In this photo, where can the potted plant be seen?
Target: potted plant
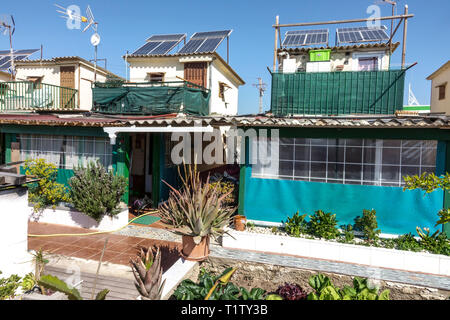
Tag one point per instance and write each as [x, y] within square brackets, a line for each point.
[196, 211]
[239, 222]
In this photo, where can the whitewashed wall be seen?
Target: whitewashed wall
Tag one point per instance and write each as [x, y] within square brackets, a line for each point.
[436, 104]
[14, 211]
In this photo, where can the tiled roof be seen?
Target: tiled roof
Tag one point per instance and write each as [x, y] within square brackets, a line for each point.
[343, 48]
[352, 121]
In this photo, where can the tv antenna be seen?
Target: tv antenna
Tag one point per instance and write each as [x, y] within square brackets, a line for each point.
[9, 25]
[91, 23]
[412, 100]
[261, 88]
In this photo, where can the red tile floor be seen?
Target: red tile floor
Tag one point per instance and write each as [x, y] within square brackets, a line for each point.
[119, 249]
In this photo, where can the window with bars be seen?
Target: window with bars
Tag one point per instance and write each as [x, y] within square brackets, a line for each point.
[66, 152]
[350, 161]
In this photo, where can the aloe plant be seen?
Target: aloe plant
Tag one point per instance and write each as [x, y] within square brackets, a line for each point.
[148, 274]
[55, 284]
[197, 209]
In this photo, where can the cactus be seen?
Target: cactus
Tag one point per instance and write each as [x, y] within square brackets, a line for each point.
[148, 274]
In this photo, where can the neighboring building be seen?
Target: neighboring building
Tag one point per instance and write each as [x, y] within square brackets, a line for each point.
[345, 143]
[440, 92]
[67, 72]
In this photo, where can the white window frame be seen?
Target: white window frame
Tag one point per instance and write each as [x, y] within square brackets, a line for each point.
[357, 55]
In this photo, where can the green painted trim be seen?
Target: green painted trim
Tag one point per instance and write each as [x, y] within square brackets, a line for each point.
[123, 161]
[367, 133]
[416, 108]
[446, 227]
[242, 175]
[69, 131]
[156, 163]
[8, 139]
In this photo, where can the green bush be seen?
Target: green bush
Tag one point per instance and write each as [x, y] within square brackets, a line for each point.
[189, 290]
[323, 225]
[296, 225]
[349, 234]
[324, 289]
[46, 192]
[97, 192]
[8, 286]
[408, 242]
[436, 243]
[368, 225]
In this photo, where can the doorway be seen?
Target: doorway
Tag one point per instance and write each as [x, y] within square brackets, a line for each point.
[141, 166]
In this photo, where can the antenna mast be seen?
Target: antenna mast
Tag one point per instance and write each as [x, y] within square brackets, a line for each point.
[261, 88]
[412, 100]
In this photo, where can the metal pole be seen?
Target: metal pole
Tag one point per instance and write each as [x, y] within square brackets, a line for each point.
[13, 68]
[277, 19]
[342, 21]
[95, 65]
[405, 32]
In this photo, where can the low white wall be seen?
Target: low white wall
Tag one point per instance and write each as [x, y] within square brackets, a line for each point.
[14, 211]
[358, 254]
[73, 218]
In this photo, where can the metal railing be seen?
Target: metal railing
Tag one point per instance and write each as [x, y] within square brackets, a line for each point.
[336, 93]
[27, 96]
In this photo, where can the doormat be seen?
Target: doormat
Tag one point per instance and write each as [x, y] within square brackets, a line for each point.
[146, 220]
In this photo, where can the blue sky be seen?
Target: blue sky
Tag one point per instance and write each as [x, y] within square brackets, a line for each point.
[124, 25]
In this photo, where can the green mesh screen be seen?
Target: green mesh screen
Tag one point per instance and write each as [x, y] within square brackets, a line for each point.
[150, 99]
[335, 93]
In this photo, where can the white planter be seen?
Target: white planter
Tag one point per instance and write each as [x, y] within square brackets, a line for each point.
[73, 218]
[321, 249]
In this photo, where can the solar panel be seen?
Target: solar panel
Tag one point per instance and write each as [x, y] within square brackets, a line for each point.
[26, 51]
[305, 37]
[5, 58]
[362, 34]
[205, 41]
[160, 44]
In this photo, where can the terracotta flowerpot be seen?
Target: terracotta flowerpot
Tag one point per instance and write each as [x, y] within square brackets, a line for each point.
[195, 252]
[239, 222]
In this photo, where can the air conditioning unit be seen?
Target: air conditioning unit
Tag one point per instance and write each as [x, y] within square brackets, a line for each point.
[289, 65]
[320, 66]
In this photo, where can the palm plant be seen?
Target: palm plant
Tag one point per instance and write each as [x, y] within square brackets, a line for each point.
[198, 209]
[147, 272]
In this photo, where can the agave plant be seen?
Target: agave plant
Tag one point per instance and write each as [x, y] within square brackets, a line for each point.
[198, 209]
[148, 274]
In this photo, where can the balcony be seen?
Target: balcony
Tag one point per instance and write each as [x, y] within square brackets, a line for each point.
[150, 98]
[16, 96]
[337, 93]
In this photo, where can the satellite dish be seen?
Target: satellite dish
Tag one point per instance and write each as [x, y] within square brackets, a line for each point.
[95, 39]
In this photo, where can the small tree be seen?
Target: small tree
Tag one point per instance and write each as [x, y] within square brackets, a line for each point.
[96, 191]
[368, 225]
[46, 192]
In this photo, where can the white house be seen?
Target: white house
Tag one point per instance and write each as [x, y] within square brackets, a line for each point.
[362, 57]
[71, 72]
[208, 69]
[440, 94]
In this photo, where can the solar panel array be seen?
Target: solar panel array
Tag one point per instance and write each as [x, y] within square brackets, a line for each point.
[305, 38]
[160, 44]
[361, 34]
[5, 57]
[205, 41]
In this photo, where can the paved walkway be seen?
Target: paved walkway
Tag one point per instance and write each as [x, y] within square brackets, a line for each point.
[119, 248]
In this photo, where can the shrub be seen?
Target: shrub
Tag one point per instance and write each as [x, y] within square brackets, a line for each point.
[408, 242]
[224, 290]
[8, 286]
[368, 225]
[349, 234]
[436, 243]
[291, 292]
[46, 192]
[324, 289]
[96, 191]
[323, 225]
[296, 225]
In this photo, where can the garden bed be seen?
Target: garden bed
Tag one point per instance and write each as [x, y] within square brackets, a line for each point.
[70, 217]
[341, 252]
